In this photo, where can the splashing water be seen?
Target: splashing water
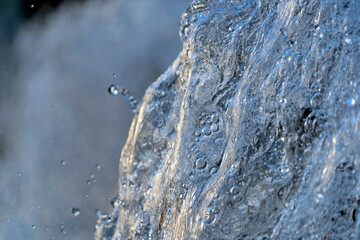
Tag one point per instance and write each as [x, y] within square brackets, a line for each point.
[253, 132]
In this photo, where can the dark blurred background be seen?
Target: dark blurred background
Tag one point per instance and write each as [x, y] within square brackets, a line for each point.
[61, 133]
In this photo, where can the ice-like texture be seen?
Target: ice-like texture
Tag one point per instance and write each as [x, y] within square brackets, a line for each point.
[253, 132]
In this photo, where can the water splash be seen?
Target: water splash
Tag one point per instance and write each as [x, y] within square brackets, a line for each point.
[258, 125]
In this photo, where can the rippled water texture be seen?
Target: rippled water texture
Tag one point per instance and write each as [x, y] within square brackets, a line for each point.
[253, 132]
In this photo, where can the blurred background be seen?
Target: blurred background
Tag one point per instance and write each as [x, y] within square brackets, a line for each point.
[61, 132]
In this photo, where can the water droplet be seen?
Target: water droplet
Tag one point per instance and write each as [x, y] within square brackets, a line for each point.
[351, 102]
[98, 166]
[19, 173]
[214, 127]
[32, 6]
[114, 90]
[75, 212]
[114, 74]
[92, 175]
[206, 130]
[202, 122]
[62, 162]
[33, 226]
[315, 100]
[200, 163]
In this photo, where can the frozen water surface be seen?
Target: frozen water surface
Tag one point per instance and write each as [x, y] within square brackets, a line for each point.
[253, 132]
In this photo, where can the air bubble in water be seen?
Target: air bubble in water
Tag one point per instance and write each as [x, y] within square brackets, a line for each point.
[98, 166]
[214, 127]
[33, 226]
[214, 118]
[213, 170]
[198, 133]
[75, 212]
[206, 130]
[200, 163]
[62, 162]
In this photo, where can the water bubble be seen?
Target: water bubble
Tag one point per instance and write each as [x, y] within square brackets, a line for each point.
[193, 148]
[114, 90]
[351, 102]
[92, 175]
[214, 127]
[62, 162]
[315, 100]
[75, 212]
[114, 74]
[214, 118]
[200, 163]
[213, 170]
[32, 6]
[206, 130]
[198, 133]
[33, 226]
[234, 190]
[202, 122]
[98, 166]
